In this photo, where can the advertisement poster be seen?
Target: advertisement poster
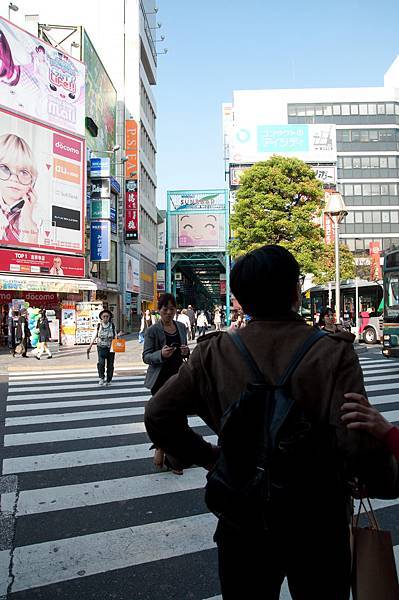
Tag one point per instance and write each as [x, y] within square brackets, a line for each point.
[131, 212]
[41, 81]
[375, 267]
[86, 321]
[198, 230]
[42, 186]
[100, 107]
[100, 241]
[132, 274]
[33, 263]
[100, 198]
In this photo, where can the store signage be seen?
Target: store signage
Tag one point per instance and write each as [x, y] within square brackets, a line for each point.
[375, 267]
[41, 81]
[100, 188]
[100, 241]
[115, 186]
[132, 274]
[42, 299]
[41, 285]
[131, 212]
[100, 167]
[132, 148]
[34, 263]
[329, 229]
[100, 209]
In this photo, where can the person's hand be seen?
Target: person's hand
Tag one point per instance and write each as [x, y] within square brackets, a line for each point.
[185, 350]
[359, 414]
[167, 351]
[28, 207]
[88, 352]
[215, 452]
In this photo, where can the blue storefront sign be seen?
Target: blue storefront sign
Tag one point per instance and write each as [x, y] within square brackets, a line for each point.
[115, 185]
[100, 241]
[100, 167]
[283, 138]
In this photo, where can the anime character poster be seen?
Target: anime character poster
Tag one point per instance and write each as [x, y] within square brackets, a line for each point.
[199, 230]
[42, 186]
[132, 274]
[40, 81]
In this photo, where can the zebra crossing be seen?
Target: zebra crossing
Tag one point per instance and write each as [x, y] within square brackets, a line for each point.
[94, 519]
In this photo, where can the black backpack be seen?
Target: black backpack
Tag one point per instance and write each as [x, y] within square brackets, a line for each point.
[254, 467]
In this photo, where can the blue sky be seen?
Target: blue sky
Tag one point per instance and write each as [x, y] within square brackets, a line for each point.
[215, 47]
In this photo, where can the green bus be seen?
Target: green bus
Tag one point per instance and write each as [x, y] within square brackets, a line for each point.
[391, 304]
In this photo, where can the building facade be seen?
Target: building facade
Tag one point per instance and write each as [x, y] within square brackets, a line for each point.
[366, 123]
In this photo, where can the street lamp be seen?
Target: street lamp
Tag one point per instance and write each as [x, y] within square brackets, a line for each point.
[336, 209]
[11, 7]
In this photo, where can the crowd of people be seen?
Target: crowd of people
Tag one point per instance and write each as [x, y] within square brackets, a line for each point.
[19, 334]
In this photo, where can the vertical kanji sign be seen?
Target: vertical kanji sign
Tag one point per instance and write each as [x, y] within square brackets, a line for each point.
[132, 188]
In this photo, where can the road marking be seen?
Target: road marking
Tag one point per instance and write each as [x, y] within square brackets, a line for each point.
[101, 391]
[47, 563]
[73, 403]
[82, 415]
[118, 381]
[45, 373]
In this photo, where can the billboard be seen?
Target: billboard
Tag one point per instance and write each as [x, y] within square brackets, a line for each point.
[132, 274]
[34, 263]
[41, 81]
[255, 142]
[100, 98]
[132, 149]
[198, 230]
[100, 241]
[42, 186]
[131, 212]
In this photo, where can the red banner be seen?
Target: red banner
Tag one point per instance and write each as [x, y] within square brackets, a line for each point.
[329, 229]
[34, 263]
[375, 267]
[131, 211]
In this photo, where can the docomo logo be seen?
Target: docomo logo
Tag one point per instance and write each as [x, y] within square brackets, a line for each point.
[67, 147]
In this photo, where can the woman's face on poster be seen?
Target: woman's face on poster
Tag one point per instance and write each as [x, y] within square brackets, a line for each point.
[15, 182]
[198, 230]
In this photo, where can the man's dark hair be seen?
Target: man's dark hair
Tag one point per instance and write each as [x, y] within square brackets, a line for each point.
[165, 299]
[264, 281]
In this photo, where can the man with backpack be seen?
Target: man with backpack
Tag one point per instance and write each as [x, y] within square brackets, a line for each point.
[279, 479]
[104, 334]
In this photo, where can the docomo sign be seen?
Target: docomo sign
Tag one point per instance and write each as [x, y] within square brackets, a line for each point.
[34, 263]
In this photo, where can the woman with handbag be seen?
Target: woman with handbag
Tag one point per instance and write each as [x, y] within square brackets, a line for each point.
[43, 327]
[165, 347]
[104, 334]
[23, 335]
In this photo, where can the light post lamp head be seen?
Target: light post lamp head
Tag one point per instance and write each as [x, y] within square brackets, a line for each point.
[335, 206]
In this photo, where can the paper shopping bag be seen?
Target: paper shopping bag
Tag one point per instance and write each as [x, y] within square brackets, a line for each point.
[118, 345]
[374, 575]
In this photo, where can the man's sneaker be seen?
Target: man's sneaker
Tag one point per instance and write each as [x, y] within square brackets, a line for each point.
[101, 382]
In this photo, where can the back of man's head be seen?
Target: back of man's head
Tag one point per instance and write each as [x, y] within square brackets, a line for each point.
[265, 281]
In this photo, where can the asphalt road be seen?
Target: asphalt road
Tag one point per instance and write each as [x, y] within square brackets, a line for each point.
[84, 514]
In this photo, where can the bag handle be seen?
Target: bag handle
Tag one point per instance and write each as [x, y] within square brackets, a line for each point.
[369, 512]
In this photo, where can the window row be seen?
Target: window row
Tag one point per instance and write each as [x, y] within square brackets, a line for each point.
[146, 146]
[368, 162]
[368, 189]
[363, 244]
[147, 106]
[147, 187]
[148, 227]
[372, 216]
[343, 109]
[367, 135]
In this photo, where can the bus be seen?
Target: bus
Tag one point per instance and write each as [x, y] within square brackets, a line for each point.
[370, 308]
[391, 304]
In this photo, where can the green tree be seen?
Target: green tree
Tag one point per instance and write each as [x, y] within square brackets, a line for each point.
[347, 267]
[278, 202]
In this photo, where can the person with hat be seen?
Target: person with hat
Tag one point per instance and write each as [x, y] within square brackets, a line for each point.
[104, 334]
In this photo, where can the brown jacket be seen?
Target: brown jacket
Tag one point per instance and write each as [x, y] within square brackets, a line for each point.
[215, 376]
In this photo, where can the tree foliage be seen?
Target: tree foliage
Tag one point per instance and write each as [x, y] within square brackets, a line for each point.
[278, 202]
[347, 266]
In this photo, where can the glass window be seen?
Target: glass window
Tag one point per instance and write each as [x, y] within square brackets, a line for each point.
[300, 111]
[386, 135]
[344, 135]
[376, 216]
[364, 135]
[385, 216]
[309, 110]
[384, 189]
[356, 162]
[357, 190]
[349, 217]
[363, 109]
[365, 162]
[327, 110]
[359, 244]
[394, 216]
[336, 109]
[393, 189]
[389, 108]
[372, 108]
[373, 135]
[367, 216]
[340, 188]
[355, 135]
[381, 109]
[345, 109]
[354, 109]
[348, 189]
[350, 244]
[358, 217]
[375, 189]
[319, 110]
[366, 189]
[374, 162]
[391, 162]
[383, 162]
[347, 162]
[396, 109]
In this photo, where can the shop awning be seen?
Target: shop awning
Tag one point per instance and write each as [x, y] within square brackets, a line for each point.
[45, 284]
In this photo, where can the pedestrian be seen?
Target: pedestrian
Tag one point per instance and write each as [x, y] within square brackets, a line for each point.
[104, 334]
[217, 320]
[299, 527]
[43, 326]
[183, 318]
[326, 321]
[202, 323]
[147, 320]
[12, 331]
[193, 326]
[22, 334]
[165, 347]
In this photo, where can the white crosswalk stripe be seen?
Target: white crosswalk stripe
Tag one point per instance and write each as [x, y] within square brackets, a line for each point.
[84, 466]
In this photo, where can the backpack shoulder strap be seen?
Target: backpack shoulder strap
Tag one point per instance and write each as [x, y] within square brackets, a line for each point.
[247, 356]
[298, 356]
